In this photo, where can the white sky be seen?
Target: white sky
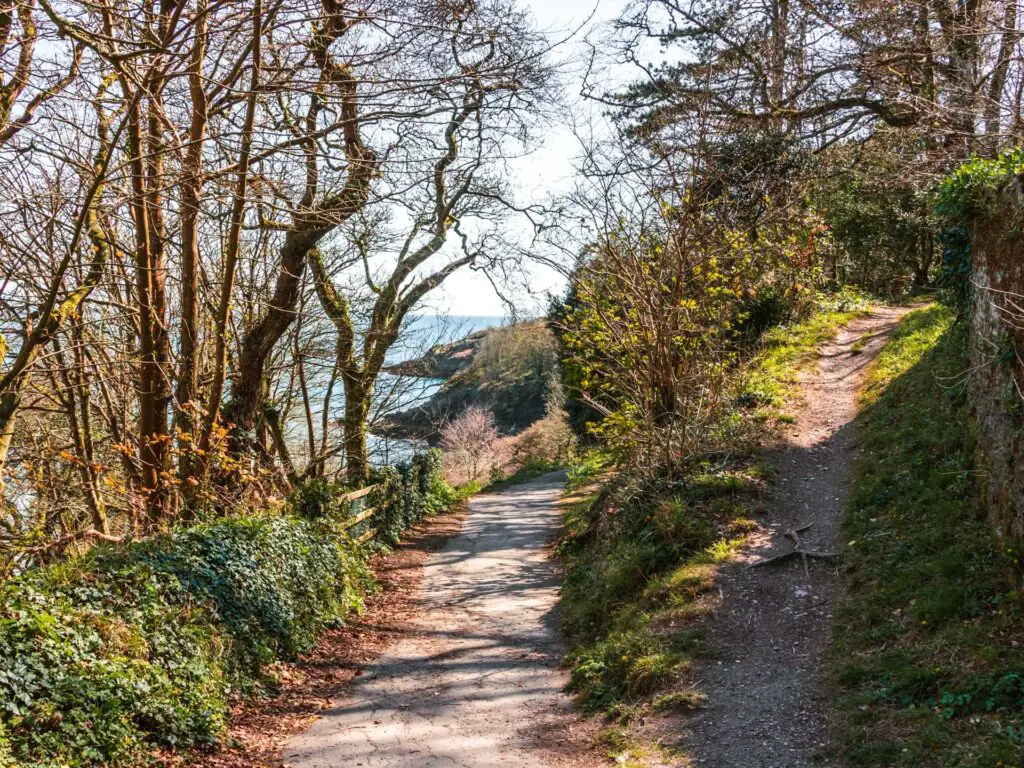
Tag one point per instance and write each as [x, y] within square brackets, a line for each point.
[548, 169]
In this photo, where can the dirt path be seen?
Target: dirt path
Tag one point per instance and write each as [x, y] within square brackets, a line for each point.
[475, 680]
[765, 705]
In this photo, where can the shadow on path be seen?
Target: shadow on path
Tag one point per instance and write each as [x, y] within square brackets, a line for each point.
[767, 706]
[475, 682]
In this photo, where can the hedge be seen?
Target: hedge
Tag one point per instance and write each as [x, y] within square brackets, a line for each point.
[409, 492]
[132, 647]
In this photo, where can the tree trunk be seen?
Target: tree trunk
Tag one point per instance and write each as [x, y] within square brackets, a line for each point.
[73, 391]
[188, 416]
[247, 388]
[220, 356]
[357, 411]
[152, 384]
[10, 399]
[993, 107]
[316, 216]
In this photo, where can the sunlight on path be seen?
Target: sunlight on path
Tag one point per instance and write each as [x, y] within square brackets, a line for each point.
[476, 682]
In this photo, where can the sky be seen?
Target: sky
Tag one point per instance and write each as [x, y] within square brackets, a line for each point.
[548, 169]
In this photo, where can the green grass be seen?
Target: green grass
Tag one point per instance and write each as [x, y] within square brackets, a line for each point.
[641, 566]
[928, 649]
[771, 378]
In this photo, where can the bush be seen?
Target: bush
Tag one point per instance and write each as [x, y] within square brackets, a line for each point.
[273, 584]
[318, 499]
[411, 491]
[549, 441]
[470, 442]
[142, 645]
[624, 666]
[105, 657]
[961, 196]
[517, 353]
[880, 222]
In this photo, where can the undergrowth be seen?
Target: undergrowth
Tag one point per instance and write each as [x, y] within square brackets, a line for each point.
[642, 559]
[108, 656]
[928, 650]
[640, 569]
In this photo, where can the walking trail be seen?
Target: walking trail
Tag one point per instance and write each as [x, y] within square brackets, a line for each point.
[475, 681]
[767, 697]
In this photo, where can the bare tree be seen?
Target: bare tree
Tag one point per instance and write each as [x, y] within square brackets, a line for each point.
[443, 184]
[175, 168]
[469, 443]
[32, 83]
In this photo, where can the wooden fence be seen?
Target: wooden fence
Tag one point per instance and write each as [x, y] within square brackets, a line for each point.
[358, 514]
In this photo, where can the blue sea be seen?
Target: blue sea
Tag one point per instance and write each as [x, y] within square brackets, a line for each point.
[398, 393]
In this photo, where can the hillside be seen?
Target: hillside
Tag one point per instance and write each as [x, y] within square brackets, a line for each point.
[506, 370]
[442, 361]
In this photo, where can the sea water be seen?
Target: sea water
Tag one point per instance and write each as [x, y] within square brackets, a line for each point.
[393, 394]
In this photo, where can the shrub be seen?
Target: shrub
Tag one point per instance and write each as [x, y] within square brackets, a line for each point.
[317, 499]
[549, 441]
[107, 656]
[470, 445]
[411, 491]
[437, 494]
[273, 584]
[625, 665]
[960, 197]
[516, 353]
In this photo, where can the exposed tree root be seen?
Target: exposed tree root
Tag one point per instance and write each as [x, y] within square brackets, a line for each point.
[798, 549]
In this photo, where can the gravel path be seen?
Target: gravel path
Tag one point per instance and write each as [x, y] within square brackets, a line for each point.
[475, 682]
[766, 703]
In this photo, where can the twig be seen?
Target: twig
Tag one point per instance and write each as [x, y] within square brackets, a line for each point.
[70, 538]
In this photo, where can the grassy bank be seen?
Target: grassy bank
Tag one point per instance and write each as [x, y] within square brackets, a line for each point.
[928, 647]
[771, 378]
[640, 570]
[642, 558]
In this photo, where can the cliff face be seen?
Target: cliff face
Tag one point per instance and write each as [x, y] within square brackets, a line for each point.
[443, 360]
[506, 370]
[995, 382]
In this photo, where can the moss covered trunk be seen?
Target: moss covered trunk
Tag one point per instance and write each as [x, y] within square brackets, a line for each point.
[357, 411]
